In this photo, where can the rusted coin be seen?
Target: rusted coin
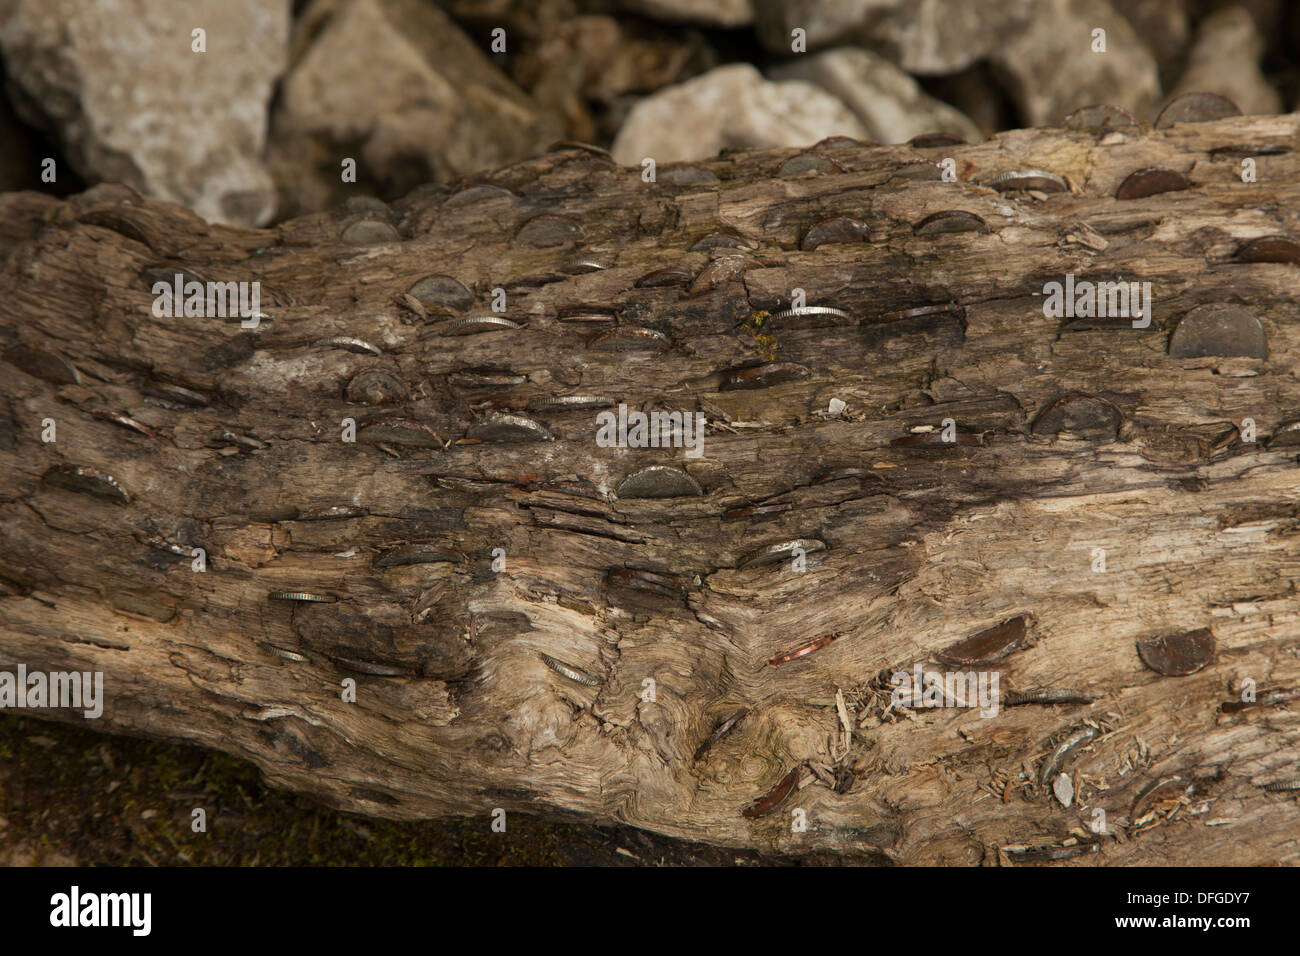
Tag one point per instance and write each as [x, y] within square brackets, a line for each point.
[806, 163]
[1177, 655]
[501, 427]
[723, 727]
[1196, 108]
[658, 481]
[950, 220]
[776, 796]
[1218, 330]
[1150, 182]
[987, 646]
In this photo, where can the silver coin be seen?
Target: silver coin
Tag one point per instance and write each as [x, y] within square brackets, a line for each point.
[474, 324]
[1037, 179]
[502, 427]
[811, 310]
[348, 344]
[309, 596]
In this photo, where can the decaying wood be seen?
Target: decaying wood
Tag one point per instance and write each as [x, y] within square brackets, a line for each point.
[525, 686]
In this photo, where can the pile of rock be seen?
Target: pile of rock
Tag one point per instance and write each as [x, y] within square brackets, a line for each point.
[252, 110]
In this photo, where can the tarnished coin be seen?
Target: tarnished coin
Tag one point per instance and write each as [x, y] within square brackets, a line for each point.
[570, 403]
[1086, 415]
[349, 344]
[486, 378]
[950, 220]
[400, 431]
[1196, 108]
[837, 230]
[313, 597]
[919, 169]
[1150, 182]
[687, 176]
[661, 278]
[1099, 119]
[474, 324]
[629, 338]
[442, 292]
[783, 551]
[806, 163]
[1218, 330]
[43, 365]
[1270, 249]
[658, 481]
[987, 646]
[332, 513]
[501, 427]
[935, 140]
[565, 669]
[1177, 655]
[1039, 180]
[369, 231]
[549, 230]
[86, 481]
[720, 240]
[358, 666]
[376, 386]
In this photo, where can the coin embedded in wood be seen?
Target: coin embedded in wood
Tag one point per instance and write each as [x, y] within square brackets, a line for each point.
[1039, 180]
[1099, 119]
[502, 427]
[763, 376]
[376, 386]
[989, 645]
[658, 481]
[1196, 108]
[443, 292]
[1150, 182]
[86, 481]
[1086, 415]
[950, 220]
[1225, 330]
[775, 553]
[1270, 249]
[1177, 655]
[836, 230]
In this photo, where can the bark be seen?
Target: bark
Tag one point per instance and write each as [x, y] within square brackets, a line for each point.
[925, 544]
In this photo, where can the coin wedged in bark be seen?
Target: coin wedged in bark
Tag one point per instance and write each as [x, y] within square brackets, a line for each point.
[86, 481]
[1270, 249]
[503, 427]
[1177, 655]
[989, 645]
[1218, 330]
[1196, 107]
[658, 481]
[1150, 182]
[1086, 415]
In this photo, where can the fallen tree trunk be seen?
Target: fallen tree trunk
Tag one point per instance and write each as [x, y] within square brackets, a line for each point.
[447, 555]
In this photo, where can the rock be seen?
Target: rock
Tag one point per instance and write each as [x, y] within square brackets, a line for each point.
[594, 59]
[730, 107]
[1225, 59]
[921, 36]
[1050, 69]
[119, 86]
[397, 86]
[1166, 27]
[713, 13]
[891, 105]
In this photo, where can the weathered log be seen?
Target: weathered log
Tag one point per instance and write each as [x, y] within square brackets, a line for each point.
[525, 633]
